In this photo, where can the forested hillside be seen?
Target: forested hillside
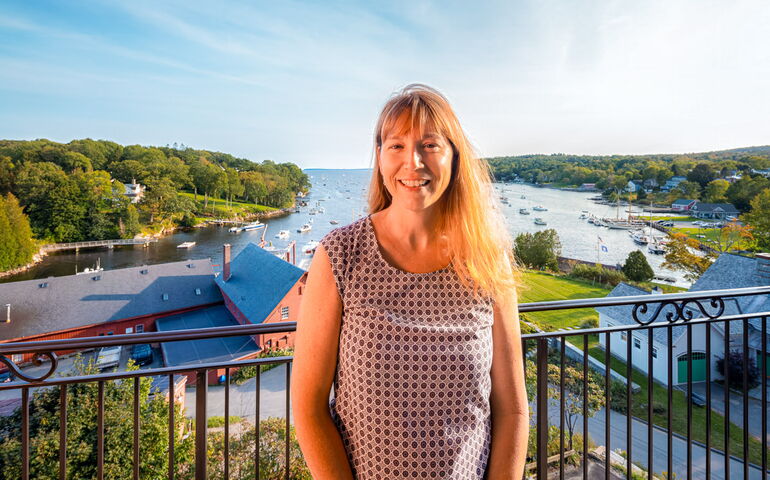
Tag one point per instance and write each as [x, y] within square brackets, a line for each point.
[75, 191]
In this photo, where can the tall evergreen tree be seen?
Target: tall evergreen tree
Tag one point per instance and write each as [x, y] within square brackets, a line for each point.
[20, 232]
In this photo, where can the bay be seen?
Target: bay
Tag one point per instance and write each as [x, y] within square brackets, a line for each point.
[342, 194]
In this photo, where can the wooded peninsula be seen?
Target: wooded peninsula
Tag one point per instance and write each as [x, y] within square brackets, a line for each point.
[97, 189]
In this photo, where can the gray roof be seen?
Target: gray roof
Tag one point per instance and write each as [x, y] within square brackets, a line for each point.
[735, 271]
[683, 201]
[710, 207]
[62, 303]
[258, 282]
[219, 349]
[622, 314]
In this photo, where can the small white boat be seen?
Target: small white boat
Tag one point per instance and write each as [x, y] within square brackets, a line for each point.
[186, 245]
[523, 197]
[540, 221]
[524, 211]
[87, 270]
[539, 208]
[584, 216]
[304, 228]
[639, 238]
[284, 234]
[247, 227]
[321, 210]
[334, 222]
[309, 247]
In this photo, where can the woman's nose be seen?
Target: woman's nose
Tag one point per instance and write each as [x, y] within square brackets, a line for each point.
[416, 159]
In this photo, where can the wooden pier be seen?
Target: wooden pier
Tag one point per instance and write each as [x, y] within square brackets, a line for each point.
[53, 247]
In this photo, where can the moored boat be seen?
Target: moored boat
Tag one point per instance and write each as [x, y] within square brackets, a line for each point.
[186, 245]
[247, 227]
[540, 221]
[304, 228]
[524, 211]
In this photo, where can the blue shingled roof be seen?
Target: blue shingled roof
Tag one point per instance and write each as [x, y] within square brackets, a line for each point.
[258, 282]
[683, 201]
[735, 271]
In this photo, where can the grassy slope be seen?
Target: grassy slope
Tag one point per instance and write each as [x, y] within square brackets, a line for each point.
[218, 207]
[540, 286]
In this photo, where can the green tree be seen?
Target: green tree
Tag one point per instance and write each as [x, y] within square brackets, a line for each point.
[7, 176]
[716, 191]
[759, 219]
[539, 250]
[573, 395]
[702, 174]
[272, 454]
[81, 432]
[254, 188]
[688, 189]
[18, 236]
[742, 192]
[637, 268]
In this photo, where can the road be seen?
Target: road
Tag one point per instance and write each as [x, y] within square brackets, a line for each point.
[736, 407]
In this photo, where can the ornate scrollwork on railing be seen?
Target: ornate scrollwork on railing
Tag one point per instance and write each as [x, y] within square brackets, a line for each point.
[685, 310]
[37, 360]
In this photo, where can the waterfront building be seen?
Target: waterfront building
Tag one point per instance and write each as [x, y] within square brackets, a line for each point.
[683, 204]
[714, 211]
[728, 271]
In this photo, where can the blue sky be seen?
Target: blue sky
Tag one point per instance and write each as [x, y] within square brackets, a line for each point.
[303, 82]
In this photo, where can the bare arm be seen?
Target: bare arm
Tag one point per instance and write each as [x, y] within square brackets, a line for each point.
[510, 410]
[315, 360]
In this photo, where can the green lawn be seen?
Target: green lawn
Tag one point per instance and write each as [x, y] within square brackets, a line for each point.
[219, 208]
[540, 286]
[671, 218]
[710, 237]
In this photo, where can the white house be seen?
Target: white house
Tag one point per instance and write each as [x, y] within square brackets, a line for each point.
[134, 191]
[729, 271]
[672, 183]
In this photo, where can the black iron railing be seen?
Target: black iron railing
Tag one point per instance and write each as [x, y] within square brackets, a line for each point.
[581, 383]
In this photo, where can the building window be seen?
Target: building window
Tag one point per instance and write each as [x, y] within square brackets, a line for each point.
[624, 336]
[109, 333]
[139, 328]
[129, 330]
[44, 285]
[284, 313]
[654, 352]
[165, 297]
[637, 343]
[197, 291]
[269, 344]
[17, 357]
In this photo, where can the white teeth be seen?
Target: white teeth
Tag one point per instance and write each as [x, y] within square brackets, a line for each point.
[414, 183]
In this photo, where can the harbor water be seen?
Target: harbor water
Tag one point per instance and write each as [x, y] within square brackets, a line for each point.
[342, 194]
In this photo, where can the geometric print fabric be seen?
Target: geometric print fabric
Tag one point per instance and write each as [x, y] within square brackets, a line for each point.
[412, 384]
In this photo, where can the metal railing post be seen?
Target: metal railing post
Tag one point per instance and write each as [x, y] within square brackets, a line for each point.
[542, 407]
[201, 425]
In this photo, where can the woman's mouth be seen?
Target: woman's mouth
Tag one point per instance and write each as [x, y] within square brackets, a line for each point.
[414, 183]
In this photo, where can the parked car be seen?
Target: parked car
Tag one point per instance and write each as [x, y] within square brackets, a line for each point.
[698, 399]
[108, 357]
[141, 354]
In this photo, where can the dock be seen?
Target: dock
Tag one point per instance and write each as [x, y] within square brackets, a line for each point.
[54, 247]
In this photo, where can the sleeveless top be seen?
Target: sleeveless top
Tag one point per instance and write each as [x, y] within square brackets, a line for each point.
[412, 384]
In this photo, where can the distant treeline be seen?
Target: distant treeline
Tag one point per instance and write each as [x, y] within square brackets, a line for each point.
[616, 170]
[75, 191]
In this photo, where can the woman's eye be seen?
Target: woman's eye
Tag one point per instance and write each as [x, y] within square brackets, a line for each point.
[430, 146]
[396, 147]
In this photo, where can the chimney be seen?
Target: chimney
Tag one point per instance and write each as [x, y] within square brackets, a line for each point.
[7, 313]
[226, 262]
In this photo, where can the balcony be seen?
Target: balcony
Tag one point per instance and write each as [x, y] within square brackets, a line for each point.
[669, 404]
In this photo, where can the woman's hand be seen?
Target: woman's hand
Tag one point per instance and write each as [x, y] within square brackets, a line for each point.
[510, 410]
[315, 362]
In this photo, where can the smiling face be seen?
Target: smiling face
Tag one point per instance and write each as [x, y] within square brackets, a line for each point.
[416, 167]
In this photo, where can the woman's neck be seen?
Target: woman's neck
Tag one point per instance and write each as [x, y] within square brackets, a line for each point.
[414, 230]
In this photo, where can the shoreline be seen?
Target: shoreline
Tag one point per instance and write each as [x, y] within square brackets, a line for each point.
[36, 258]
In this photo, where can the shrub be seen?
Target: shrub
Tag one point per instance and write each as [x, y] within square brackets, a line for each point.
[245, 373]
[219, 421]
[637, 268]
[735, 364]
[618, 398]
[597, 274]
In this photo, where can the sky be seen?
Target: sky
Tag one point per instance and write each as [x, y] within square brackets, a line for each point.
[303, 82]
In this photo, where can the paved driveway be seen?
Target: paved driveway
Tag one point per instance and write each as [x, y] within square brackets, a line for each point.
[736, 407]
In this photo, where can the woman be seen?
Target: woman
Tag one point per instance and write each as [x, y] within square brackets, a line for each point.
[411, 314]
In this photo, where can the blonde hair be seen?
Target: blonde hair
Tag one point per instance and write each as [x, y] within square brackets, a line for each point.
[479, 245]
